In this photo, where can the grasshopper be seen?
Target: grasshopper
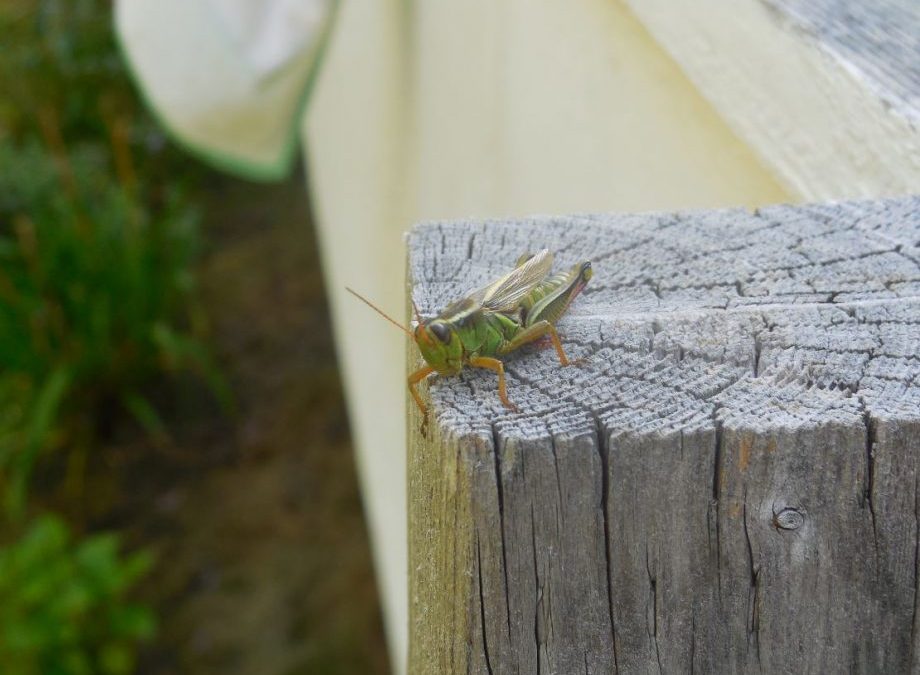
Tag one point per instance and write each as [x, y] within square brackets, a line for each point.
[521, 307]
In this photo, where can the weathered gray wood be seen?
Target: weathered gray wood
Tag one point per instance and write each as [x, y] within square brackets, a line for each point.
[878, 41]
[729, 482]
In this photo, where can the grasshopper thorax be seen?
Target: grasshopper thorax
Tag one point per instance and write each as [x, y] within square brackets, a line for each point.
[440, 345]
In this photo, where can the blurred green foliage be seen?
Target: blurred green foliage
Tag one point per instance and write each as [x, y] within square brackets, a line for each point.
[66, 47]
[59, 56]
[97, 241]
[63, 79]
[62, 604]
[96, 300]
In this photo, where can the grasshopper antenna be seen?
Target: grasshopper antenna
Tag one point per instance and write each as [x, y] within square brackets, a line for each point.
[418, 314]
[381, 312]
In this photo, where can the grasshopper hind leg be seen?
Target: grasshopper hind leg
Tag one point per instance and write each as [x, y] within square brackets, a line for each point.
[541, 329]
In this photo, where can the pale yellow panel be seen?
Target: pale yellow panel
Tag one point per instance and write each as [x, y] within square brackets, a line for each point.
[523, 106]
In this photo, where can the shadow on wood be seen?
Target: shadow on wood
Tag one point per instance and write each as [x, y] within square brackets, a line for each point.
[728, 483]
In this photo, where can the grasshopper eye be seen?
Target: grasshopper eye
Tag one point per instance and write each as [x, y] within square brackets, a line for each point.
[441, 332]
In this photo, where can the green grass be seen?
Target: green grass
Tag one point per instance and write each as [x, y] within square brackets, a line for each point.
[64, 82]
[96, 301]
[97, 242]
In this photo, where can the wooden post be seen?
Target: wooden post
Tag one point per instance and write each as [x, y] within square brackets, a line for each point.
[728, 483]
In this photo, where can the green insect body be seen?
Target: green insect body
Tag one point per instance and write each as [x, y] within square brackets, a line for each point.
[519, 308]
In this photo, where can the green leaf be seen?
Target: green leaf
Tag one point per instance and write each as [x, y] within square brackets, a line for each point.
[62, 603]
[116, 658]
[146, 415]
[39, 425]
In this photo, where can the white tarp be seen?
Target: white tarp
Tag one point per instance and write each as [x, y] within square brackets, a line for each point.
[228, 78]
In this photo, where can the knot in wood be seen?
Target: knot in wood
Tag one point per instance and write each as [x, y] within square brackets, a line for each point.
[789, 519]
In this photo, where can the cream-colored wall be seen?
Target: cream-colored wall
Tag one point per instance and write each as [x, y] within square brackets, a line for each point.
[356, 152]
[524, 106]
[483, 108]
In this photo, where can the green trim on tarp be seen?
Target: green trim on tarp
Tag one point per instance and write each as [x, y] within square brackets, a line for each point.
[228, 162]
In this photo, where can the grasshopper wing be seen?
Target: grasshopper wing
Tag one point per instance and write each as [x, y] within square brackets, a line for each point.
[506, 293]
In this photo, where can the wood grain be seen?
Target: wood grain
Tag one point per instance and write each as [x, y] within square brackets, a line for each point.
[826, 92]
[727, 484]
[879, 42]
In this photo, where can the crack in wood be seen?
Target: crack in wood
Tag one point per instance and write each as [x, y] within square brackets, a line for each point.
[496, 452]
[652, 609]
[538, 600]
[916, 568]
[603, 447]
[754, 592]
[561, 509]
[482, 609]
[693, 642]
[870, 479]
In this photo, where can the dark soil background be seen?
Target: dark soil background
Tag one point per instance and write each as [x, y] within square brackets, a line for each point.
[263, 564]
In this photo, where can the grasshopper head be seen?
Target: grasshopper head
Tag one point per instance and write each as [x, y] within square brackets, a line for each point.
[440, 345]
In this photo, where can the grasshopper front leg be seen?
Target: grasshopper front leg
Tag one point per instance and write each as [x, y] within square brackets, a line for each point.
[498, 367]
[414, 379]
[535, 332]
